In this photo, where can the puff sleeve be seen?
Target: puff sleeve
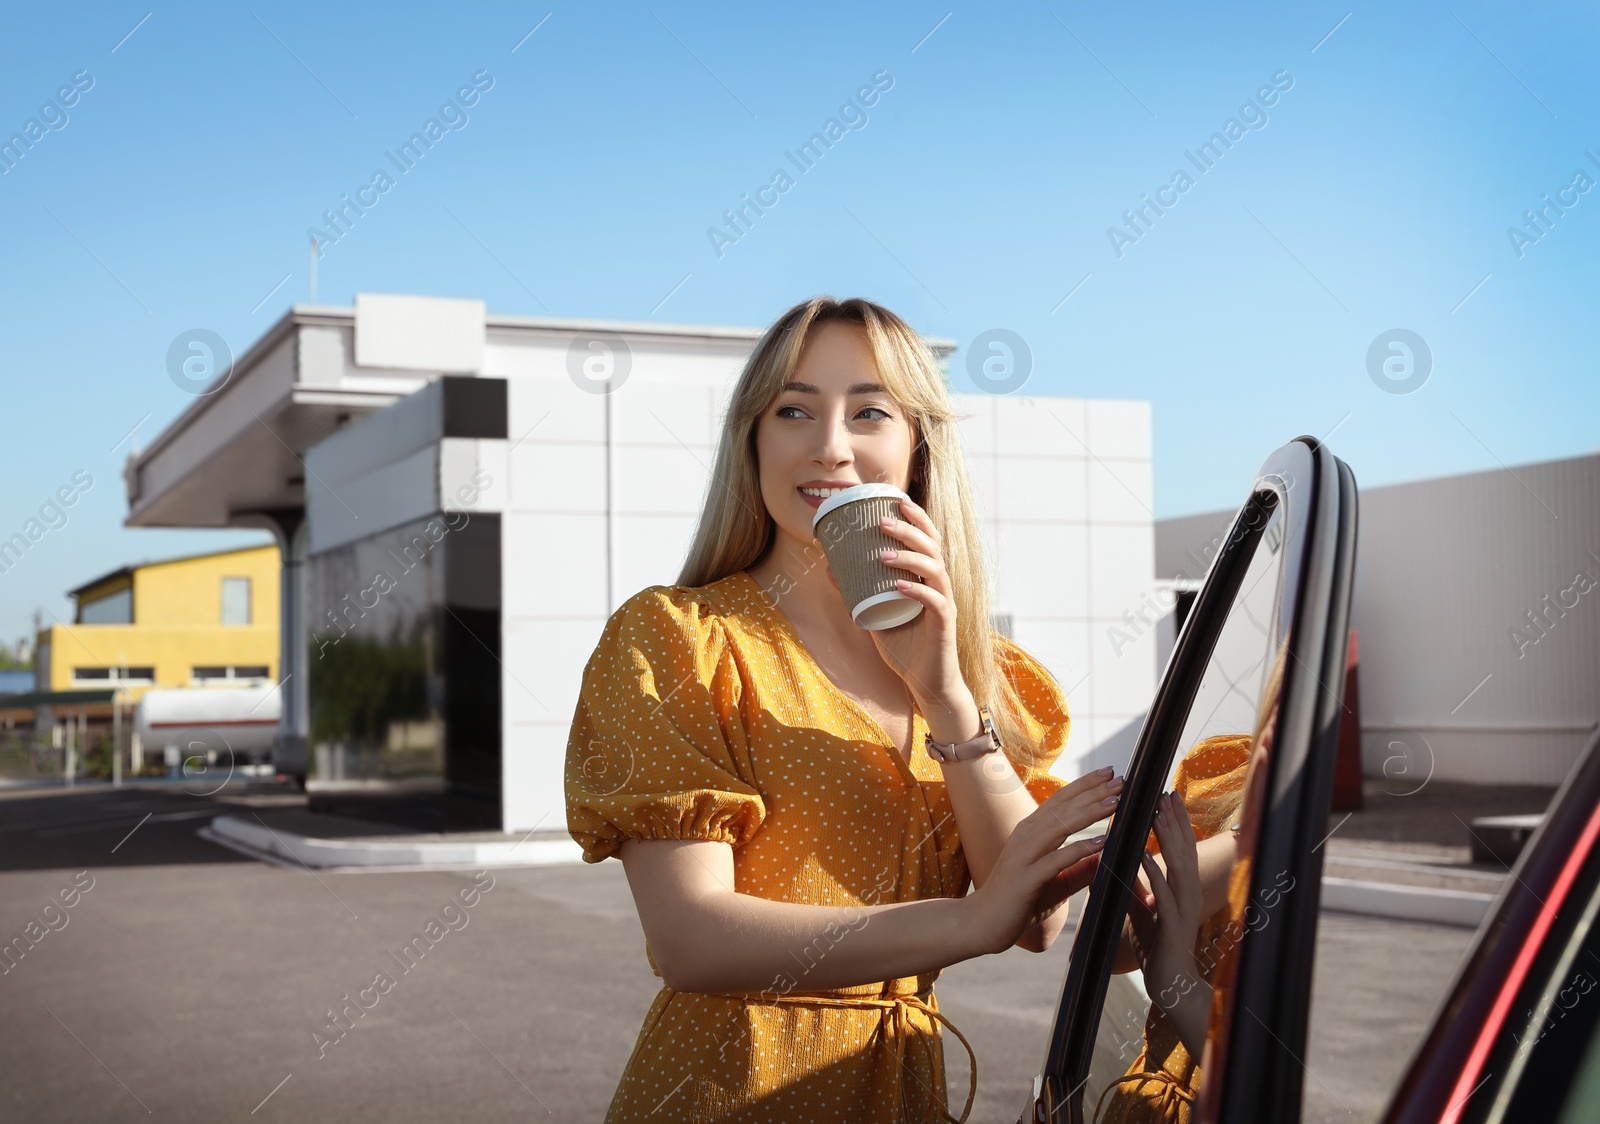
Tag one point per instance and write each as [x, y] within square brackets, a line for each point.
[657, 748]
[1041, 710]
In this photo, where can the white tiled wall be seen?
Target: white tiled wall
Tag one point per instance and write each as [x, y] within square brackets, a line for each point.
[1065, 511]
[556, 588]
[651, 549]
[662, 479]
[1068, 518]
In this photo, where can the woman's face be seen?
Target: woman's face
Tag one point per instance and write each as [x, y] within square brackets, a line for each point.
[832, 426]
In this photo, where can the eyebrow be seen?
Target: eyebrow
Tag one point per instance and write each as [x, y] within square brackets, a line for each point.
[855, 388]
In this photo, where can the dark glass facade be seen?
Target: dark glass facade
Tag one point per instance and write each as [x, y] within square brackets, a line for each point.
[404, 666]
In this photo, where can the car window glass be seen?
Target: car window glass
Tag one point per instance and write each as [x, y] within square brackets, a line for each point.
[1558, 1042]
[1139, 1064]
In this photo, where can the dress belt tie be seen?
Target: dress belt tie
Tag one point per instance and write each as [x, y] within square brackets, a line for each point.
[894, 1028]
[1175, 1095]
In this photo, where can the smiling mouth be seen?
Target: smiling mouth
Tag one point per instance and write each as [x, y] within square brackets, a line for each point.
[816, 497]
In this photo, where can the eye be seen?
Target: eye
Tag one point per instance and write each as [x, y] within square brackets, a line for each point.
[779, 412]
[879, 409]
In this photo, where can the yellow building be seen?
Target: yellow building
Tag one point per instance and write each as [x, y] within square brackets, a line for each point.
[204, 620]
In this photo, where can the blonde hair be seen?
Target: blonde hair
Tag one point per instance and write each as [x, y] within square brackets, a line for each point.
[736, 531]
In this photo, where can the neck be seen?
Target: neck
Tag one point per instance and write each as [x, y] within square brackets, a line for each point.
[795, 578]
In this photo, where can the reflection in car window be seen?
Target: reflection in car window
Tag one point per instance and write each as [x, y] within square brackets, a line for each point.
[1141, 1071]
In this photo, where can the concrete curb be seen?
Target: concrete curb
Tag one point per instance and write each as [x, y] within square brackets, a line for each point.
[294, 851]
[322, 854]
[1461, 908]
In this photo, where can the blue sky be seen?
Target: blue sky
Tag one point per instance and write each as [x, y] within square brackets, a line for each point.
[1377, 195]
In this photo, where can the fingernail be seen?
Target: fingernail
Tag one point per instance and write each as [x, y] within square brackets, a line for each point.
[1160, 819]
[1107, 771]
[1098, 839]
[1109, 801]
[1114, 783]
[885, 554]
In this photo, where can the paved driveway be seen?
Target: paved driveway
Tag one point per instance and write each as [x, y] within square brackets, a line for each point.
[197, 984]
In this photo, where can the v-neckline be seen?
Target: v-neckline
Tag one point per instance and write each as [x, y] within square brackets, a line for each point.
[787, 626]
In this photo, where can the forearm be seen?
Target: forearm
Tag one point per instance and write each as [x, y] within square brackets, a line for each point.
[988, 806]
[1187, 1006]
[988, 803]
[727, 941]
[1042, 935]
[987, 809]
[736, 942]
[1216, 855]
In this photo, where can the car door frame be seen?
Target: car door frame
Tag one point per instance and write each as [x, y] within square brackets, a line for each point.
[1318, 497]
[1464, 1066]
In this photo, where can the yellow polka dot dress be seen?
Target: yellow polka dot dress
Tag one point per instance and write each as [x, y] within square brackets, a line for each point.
[703, 716]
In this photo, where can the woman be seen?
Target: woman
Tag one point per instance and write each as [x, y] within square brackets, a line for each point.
[758, 762]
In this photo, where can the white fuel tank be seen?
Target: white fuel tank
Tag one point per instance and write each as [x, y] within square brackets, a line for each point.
[243, 719]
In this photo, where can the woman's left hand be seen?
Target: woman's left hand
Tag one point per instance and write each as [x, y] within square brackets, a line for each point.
[923, 650]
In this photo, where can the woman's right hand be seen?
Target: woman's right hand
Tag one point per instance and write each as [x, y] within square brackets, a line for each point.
[1034, 871]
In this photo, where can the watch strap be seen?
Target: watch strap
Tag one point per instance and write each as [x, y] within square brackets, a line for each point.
[987, 741]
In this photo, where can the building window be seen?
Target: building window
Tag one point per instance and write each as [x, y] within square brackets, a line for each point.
[114, 676]
[117, 608]
[236, 601]
[220, 674]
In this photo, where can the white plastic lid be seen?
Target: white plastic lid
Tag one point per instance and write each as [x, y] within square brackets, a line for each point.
[885, 610]
[850, 495]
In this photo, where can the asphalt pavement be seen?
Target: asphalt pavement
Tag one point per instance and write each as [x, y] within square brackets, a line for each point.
[191, 983]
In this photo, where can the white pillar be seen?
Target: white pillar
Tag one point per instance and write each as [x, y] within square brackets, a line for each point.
[116, 739]
[613, 595]
[290, 750]
[295, 720]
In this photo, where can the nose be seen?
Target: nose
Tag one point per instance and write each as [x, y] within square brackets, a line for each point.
[833, 447]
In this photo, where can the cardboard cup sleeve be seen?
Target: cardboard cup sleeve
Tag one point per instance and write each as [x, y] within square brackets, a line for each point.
[847, 526]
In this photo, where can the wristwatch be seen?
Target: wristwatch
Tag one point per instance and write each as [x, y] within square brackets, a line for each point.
[987, 741]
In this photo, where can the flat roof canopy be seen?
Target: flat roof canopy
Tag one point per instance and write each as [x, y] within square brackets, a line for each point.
[235, 454]
[236, 450]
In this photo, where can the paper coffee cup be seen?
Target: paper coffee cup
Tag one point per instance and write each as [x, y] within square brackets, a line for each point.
[847, 526]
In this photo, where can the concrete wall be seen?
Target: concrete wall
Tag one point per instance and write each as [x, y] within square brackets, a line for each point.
[1477, 603]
